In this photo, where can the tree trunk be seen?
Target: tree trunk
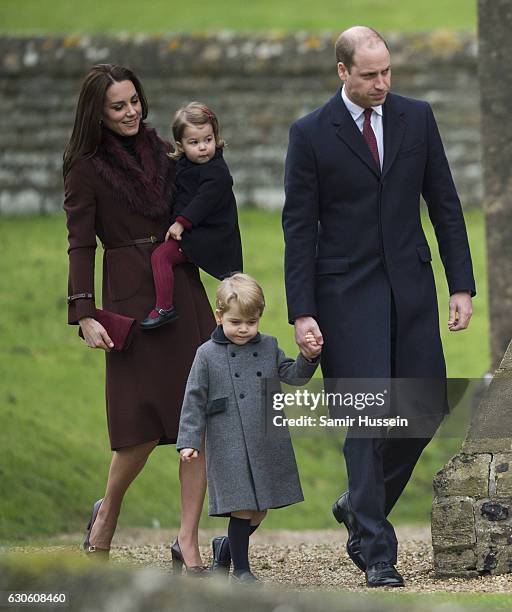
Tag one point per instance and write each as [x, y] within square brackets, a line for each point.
[495, 71]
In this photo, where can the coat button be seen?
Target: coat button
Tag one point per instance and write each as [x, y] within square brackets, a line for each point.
[255, 354]
[258, 373]
[242, 395]
[237, 375]
[233, 354]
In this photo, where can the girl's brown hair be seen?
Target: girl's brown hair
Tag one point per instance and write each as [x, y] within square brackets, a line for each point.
[244, 291]
[86, 135]
[195, 113]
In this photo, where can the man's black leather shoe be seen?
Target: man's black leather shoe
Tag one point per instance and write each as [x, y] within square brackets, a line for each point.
[164, 317]
[383, 574]
[343, 514]
[221, 555]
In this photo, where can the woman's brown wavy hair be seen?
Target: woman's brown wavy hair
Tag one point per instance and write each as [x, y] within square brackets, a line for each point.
[86, 135]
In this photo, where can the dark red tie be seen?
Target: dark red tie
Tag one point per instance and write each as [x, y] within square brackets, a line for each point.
[369, 136]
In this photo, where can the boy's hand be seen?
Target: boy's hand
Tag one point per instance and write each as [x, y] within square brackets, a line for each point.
[187, 454]
[304, 326]
[175, 231]
[314, 348]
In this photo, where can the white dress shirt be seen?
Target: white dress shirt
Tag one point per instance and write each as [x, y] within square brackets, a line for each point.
[357, 113]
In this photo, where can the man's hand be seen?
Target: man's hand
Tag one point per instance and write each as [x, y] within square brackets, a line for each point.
[187, 454]
[175, 231]
[461, 309]
[308, 336]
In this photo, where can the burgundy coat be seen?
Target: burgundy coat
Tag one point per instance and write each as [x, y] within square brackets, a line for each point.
[111, 197]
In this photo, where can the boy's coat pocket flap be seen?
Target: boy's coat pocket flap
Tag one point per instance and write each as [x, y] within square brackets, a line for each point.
[217, 405]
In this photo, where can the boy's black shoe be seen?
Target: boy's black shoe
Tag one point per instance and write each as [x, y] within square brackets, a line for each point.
[164, 317]
[343, 514]
[221, 555]
[383, 574]
[245, 577]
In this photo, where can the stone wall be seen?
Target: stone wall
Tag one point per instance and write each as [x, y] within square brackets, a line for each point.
[472, 508]
[257, 85]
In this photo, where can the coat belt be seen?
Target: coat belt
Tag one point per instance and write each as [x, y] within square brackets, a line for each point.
[151, 239]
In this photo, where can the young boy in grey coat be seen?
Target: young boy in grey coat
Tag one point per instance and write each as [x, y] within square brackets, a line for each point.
[248, 471]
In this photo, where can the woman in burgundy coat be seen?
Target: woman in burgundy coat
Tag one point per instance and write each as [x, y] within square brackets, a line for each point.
[118, 187]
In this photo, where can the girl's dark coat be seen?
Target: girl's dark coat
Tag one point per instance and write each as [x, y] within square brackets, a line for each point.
[111, 197]
[205, 197]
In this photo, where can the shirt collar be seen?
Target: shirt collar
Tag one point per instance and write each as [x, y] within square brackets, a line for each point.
[355, 110]
[219, 336]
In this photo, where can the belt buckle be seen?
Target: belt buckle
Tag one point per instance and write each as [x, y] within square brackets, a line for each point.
[153, 239]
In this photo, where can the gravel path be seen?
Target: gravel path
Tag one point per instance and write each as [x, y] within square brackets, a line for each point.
[300, 559]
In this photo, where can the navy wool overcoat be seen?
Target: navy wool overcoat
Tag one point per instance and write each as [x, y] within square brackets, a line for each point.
[354, 239]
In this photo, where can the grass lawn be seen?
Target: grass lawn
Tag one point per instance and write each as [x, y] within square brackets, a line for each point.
[55, 450]
[445, 601]
[64, 16]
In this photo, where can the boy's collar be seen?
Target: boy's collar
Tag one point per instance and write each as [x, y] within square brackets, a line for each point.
[220, 337]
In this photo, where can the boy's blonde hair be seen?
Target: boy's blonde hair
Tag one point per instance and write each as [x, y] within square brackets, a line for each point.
[195, 113]
[245, 291]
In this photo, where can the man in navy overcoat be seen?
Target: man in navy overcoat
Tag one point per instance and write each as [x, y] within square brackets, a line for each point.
[358, 271]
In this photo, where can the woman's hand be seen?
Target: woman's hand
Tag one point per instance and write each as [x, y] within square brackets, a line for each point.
[95, 335]
[175, 231]
[187, 454]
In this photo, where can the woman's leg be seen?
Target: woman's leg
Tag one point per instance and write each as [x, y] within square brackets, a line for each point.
[193, 489]
[125, 466]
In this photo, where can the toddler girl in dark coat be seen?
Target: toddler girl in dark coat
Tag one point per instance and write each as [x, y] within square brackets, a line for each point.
[248, 471]
[204, 220]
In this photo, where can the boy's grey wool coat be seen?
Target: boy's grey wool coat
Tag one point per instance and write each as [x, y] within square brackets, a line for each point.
[246, 468]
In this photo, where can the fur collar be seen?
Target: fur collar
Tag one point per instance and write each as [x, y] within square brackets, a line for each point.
[146, 189]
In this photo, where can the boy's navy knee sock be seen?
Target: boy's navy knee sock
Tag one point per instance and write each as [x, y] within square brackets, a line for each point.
[253, 528]
[239, 531]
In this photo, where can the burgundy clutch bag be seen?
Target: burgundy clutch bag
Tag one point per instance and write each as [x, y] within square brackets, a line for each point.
[118, 327]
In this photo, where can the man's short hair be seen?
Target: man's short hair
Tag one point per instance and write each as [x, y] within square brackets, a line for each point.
[347, 43]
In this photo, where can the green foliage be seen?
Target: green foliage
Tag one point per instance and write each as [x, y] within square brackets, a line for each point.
[55, 450]
[61, 16]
